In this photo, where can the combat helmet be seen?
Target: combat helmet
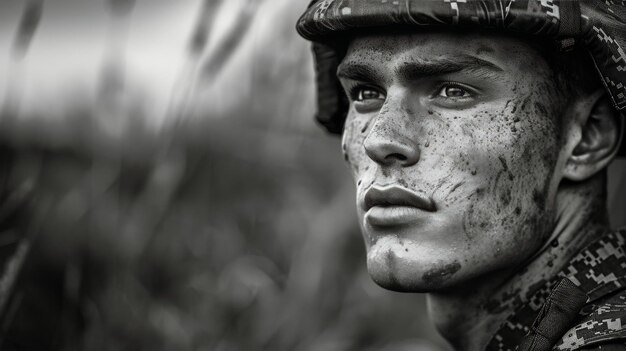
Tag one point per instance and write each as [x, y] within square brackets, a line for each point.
[599, 26]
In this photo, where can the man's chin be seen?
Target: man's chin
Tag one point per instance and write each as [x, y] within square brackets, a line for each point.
[392, 283]
[398, 270]
[421, 282]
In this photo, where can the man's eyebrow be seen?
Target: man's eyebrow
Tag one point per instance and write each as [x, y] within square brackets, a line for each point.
[357, 71]
[416, 70]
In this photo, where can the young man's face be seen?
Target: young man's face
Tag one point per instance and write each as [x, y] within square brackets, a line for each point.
[453, 140]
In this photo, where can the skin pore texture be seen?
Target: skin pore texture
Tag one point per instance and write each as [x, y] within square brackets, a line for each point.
[476, 127]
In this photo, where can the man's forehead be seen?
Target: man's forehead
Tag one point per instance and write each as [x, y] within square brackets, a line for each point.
[441, 51]
[411, 70]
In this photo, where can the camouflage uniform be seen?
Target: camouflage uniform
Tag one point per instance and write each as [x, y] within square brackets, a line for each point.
[584, 306]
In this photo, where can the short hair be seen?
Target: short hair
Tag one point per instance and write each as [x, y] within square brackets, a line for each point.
[574, 69]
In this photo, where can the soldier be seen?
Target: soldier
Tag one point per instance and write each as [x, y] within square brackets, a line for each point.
[478, 134]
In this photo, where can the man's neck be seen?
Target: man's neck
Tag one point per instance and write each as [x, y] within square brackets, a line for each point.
[468, 316]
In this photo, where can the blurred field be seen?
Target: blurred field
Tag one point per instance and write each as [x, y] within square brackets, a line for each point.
[163, 160]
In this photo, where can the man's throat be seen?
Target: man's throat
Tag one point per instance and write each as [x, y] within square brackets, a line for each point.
[468, 316]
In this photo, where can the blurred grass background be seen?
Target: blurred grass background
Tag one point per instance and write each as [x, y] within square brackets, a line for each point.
[161, 162]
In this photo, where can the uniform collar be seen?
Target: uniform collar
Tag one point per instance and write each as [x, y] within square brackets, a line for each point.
[598, 270]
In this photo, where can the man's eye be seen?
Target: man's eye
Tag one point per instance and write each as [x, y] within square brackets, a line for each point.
[454, 91]
[367, 94]
[366, 98]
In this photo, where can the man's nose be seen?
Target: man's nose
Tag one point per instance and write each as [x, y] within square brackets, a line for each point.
[389, 144]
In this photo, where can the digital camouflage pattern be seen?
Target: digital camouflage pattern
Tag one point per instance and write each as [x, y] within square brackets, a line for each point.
[599, 25]
[599, 272]
[606, 324]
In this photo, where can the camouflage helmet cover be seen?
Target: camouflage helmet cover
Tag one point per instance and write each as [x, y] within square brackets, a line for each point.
[598, 25]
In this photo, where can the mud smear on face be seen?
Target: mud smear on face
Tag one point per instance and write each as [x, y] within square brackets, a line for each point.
[455, 188]
[366, 125]
[390, 260]
[344, 152]
[541, 109]
[438, 275]
[539, 198]
[470, 218]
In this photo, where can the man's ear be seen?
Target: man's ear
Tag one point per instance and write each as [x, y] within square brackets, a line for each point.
[600, 131]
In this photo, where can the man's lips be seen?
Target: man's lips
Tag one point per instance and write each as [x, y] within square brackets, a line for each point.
[394, 205]
[395, 196]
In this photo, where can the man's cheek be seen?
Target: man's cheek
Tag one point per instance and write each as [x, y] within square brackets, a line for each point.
[494, 200]
[352, 147]
[503, 214]
[348, 145]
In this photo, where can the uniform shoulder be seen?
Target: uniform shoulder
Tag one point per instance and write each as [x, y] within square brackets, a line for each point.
[604, 325]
